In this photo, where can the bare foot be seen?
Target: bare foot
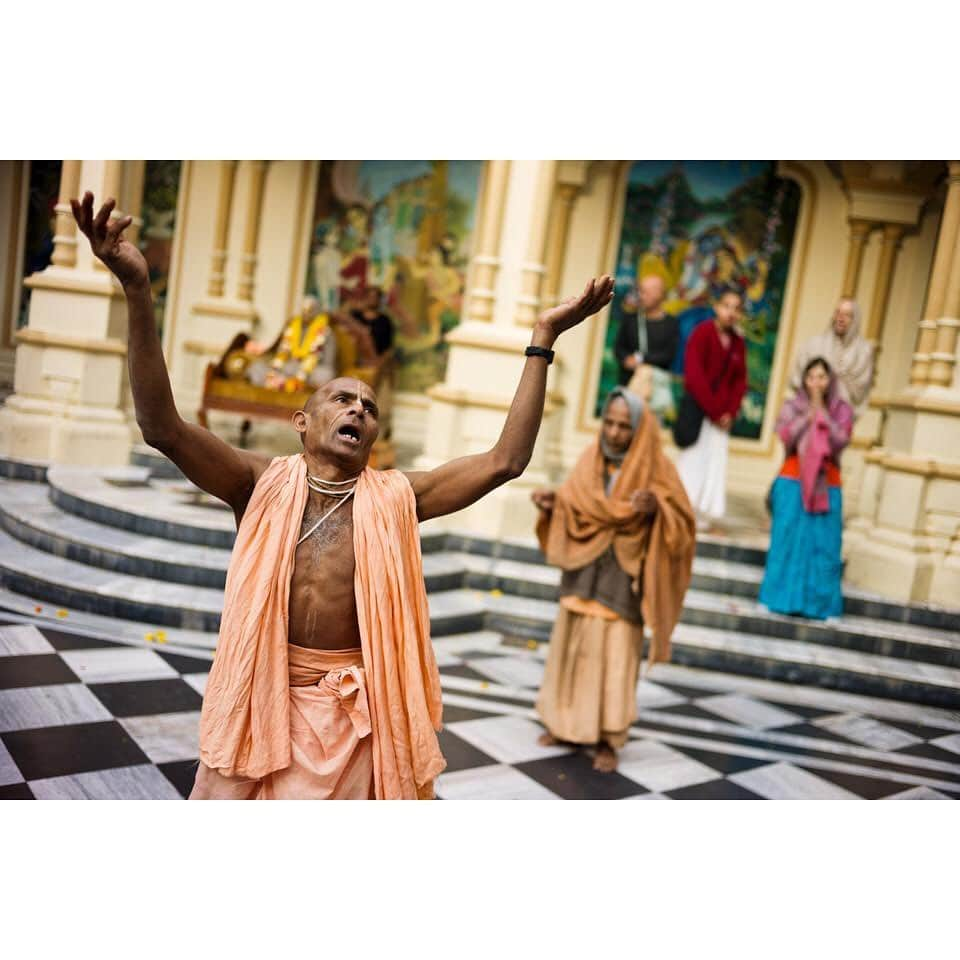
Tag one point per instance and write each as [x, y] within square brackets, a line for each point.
[547, 740]
[606, 759]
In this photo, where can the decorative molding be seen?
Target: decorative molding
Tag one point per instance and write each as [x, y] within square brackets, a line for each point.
[919, 466]
[41, 338]
[470, 398]
[925, 404]
[75, 281]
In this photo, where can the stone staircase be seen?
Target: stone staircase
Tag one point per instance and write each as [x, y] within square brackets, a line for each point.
[134, 550]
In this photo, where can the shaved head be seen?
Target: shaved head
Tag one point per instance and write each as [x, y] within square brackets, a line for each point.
[348, 384]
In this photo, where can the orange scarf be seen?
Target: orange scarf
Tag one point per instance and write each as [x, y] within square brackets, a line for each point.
[245, 723]
[585, 522]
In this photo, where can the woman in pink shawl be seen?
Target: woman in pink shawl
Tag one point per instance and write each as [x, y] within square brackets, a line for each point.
[804, 566]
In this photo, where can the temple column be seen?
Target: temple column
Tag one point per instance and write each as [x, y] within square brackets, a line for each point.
[943, 359]
[571, 176]
[485, 264]
[65, 231]
[939, 277]
[860, 230]
[890, 245]
[467, 410]
[67, 405]
[251, 231]
[905, 543]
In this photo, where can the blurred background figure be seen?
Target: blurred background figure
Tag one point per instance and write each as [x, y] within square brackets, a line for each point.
[715, 380]
[849, 354]
[645, 349]
[804, 568]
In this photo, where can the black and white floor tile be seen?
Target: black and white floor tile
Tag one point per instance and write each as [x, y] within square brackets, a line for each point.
[86, 717]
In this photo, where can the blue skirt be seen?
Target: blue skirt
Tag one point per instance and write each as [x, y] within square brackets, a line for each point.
[804, 565]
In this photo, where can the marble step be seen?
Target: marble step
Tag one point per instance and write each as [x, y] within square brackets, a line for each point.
[27, 514]
[160, 467]
[463, 611]
[29, 470]
[128, 499]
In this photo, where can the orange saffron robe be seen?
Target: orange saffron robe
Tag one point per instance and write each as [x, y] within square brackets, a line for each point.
[245, 724]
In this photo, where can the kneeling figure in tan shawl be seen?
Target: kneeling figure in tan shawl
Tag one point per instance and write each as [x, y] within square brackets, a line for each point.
[324, 683]
[623, 532]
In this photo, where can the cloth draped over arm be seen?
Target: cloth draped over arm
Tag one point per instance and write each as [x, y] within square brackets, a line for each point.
[245, 721]
[403, 681]
[657, 554]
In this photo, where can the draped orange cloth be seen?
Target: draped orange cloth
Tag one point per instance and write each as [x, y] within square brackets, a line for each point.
[245, 721]
[658, 555]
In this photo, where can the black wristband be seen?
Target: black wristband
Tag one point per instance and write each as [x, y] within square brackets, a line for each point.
[539, 352]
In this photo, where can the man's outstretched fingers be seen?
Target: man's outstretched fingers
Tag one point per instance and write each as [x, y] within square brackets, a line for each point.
[116, 227]
[100, 224]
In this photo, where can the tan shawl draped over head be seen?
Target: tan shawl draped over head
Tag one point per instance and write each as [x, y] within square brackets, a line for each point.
[850, 358]
[245, 723]
[658, 555]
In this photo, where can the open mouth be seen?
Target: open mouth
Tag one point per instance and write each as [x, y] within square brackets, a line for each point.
[349, 433]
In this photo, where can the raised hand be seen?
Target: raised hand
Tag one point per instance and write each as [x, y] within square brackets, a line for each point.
[107, 242]
[544, 499]
[596, 295]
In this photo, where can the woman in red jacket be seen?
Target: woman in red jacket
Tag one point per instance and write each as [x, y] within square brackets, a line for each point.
[715, 376]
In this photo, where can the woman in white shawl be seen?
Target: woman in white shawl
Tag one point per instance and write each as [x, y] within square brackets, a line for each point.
[849, 354]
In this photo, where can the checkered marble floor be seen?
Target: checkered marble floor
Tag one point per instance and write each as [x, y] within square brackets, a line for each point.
[86, 717]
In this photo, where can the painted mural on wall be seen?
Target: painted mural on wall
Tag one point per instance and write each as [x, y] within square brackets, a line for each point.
[701, 225]
[404, 227]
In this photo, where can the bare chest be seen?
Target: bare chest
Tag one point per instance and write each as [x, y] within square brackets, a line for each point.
[327, 552]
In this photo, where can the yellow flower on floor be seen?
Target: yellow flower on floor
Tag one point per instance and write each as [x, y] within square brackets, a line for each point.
[496, 593]
[148, 637]
[61, 614]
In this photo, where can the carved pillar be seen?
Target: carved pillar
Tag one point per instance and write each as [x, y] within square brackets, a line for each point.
[251, 230]
[559, 229]
[112, 181]
[228, 172]
[892, 237]
[65, 236]
[486, 260]
[859, 231]
[940, 276]
[533, 269]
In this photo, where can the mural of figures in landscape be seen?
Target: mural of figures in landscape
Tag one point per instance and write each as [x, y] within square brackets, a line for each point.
[403, 227]
[700, 225]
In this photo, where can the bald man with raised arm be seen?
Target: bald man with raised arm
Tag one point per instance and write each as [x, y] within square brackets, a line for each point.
[324, 683]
